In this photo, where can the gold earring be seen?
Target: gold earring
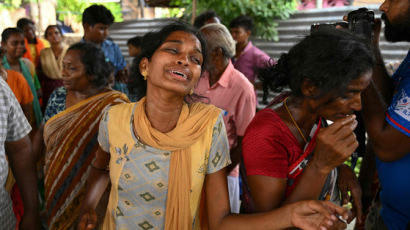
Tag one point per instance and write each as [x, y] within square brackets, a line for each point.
[191, 92]
[144, 75]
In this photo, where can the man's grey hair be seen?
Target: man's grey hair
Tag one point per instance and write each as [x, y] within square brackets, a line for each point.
[218, 36]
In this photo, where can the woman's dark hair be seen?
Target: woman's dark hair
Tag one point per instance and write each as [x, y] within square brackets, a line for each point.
[10, 31]
[135, 41]
[243, 21]
[22, 22]
[203, 17]
[97, 14]
[150, 43]
[328, 59]
[94, 63]
[52, 26]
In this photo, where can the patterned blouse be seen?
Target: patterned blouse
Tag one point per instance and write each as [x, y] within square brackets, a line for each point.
[143, 183]
[56, 103]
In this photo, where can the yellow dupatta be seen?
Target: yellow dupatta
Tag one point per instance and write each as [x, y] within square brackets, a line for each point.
[50, 65]
[193, 122]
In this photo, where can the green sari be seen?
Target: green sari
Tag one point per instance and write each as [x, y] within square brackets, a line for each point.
[29, 78]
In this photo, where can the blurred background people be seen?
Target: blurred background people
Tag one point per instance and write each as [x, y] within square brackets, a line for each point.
[289, 152]
[134, 46]
[96, 21]
[206, 17]
[228, 89]
[134, 50]
[51, 59]
[70, 131]
[248, 58]
[32, 44]
[21, 90]
[12, 41]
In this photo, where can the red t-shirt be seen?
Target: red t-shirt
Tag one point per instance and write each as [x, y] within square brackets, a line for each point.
[269, 147]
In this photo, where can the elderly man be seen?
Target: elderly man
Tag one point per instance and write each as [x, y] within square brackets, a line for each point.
[14, 142]
[230, 90]
[386, 108]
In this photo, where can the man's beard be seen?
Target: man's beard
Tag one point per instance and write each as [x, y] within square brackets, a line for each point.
[398, 32]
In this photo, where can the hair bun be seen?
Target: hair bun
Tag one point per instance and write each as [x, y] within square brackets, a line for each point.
[275, 77]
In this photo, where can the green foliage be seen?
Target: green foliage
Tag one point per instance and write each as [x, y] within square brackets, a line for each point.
[76, 7]
[358, 165]
[263, 12]
[9, 4]
[13, 4]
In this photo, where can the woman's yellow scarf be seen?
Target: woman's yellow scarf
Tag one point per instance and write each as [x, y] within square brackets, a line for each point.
[192, 124]
[50, 65]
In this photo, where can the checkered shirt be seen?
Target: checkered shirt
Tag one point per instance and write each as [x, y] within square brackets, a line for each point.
[13, 127]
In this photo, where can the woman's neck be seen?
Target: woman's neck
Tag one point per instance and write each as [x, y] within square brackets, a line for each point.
[163, 110]
[57, 49]
[73, 97]
[14, 63]
[302, 113]
[12, 60]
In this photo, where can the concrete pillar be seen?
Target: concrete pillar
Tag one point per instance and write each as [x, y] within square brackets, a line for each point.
[319, 4]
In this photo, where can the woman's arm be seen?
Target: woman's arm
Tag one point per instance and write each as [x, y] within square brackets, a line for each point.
[23, 166]
[96, 184]
[334, 145]
[27, 110]
[306, 214]
[38, 143]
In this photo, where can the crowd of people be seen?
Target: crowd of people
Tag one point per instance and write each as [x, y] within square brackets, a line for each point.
[173, 140]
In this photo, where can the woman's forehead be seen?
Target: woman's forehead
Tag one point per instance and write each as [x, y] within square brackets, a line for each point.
[183, 37]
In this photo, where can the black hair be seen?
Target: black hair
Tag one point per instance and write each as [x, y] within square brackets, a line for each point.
[52, 26]
[10, 31]
[22, 22]
[329, 59]
[150, 43]
[242, 21]
[135, 41]
[94, 62]
[202, 18]
[97, 14]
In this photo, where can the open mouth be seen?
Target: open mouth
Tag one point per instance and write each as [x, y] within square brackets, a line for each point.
[179, 75]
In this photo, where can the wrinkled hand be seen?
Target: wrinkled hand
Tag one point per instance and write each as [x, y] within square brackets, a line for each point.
[347, 181]
[314, 214]
[30, 221]
[335, 144]
[88, 220]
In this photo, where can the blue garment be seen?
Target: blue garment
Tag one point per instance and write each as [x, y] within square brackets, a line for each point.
[113, 54]
[394, 176]
[56, 103]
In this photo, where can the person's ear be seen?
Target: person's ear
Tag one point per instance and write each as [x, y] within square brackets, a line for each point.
[86, 27]
[248, 33]
[218, 52]
[144, 67]
[309, 90]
